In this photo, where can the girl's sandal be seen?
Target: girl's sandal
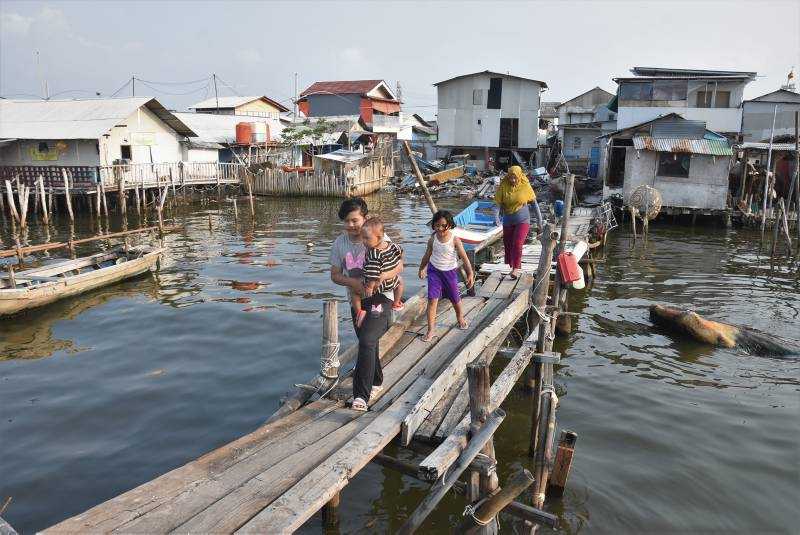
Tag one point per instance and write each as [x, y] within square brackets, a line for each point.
[359, 405]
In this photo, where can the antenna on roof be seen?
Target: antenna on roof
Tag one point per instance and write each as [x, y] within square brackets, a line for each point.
[399, 92]
[45, 90]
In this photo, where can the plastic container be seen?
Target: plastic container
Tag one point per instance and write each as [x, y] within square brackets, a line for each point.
[244, 133]
[568, 268]
[260, 132]
[580, 284]
[559, 207]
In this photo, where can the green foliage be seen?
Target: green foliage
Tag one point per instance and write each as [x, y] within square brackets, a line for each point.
[307, 132]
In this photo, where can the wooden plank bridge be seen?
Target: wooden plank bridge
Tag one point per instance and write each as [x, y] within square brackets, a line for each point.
[280, 475]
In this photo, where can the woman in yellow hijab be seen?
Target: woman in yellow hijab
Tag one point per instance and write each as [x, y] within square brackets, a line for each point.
[512, 198]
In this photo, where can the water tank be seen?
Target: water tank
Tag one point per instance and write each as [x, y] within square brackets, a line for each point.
[244, 133]
[260, 132]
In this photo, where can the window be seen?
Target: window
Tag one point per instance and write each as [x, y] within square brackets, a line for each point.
[43, 147]
[636, 91]
[495, 93]
[576, 143]
[669, 90]
[704, 99]
[477, 97]
[125, 152]
[673, 164]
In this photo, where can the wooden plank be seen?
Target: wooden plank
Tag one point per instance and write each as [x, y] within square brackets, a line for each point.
[427, 430]
[448, 174]
[324, 436]
[459, 406]
[120, 509]
[468, 353]
[435, 464]
[505, 288]
[490, 285]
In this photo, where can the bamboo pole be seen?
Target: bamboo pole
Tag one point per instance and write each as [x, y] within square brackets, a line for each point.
[160, 208]
[68, 196]
[250, 195]
[97, 201]
[136, 200]
[483, 520]
[767, 179]
[569, 186]
[235, 211]
[105, 201]
[122, 199]
[58, 245]
[420, 178]
[776, 226]
[45, 216]
[439, 490]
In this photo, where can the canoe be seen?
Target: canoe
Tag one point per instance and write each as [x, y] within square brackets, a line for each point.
[476, 225]
[49, 283]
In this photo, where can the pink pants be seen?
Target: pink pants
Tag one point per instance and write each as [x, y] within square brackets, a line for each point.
[513, 240]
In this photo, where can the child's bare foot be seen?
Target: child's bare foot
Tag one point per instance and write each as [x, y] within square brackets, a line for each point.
[428, 337]
[398, 307]
[462, 324]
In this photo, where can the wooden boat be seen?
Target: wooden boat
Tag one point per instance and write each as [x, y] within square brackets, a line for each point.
[45, 284]
[476, 225]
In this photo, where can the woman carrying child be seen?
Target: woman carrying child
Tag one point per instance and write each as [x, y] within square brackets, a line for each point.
[348, 255]
[441, 260]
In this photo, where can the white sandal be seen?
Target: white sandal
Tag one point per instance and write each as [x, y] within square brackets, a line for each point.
[377, 389]
[359, 405]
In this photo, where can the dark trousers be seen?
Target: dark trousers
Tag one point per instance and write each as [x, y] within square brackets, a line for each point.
[368, 371]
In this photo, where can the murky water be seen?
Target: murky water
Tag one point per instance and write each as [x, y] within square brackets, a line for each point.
[105, 391]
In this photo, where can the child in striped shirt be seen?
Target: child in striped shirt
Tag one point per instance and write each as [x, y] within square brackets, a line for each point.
[382, 256]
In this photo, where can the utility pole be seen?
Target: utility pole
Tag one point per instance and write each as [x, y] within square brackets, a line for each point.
[216, 95]
[294, 113]
[133, 86]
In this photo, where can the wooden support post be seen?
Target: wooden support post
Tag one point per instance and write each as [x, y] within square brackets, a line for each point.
[160, 208]
[569, 185]
[633, 221]
[776, 225]
[420, 178]
[12, 205]
[136, 200]
[329, 359]
[11, 278]
[440, 488]
[235, 211]
[68, 196]
[105, 201]
[546, 431]
[43, 195]
[250, 195]
[122, 198]
[483, 519]
[563, 463]
[479, 381]
[797, 174]
[97, 201]
[330, 512]
[23, 192]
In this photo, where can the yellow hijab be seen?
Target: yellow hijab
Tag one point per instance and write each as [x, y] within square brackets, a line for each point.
[510, 197]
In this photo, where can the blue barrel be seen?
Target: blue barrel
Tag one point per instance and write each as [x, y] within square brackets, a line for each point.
[559, 207]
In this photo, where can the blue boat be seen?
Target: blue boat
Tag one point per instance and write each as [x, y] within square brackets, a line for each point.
[476, 225]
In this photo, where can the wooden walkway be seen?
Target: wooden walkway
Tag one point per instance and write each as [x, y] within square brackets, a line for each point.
[276, 478]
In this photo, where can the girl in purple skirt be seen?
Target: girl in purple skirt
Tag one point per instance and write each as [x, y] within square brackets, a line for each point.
[444, 250]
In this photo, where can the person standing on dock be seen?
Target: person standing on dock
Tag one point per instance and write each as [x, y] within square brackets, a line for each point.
[348, 254]
[512, 198]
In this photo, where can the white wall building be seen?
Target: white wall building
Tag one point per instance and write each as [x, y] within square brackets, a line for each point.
[90, 133]
[489, 110]
[714, 97]
[757, 115]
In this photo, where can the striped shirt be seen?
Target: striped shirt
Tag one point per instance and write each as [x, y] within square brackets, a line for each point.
[381, 261]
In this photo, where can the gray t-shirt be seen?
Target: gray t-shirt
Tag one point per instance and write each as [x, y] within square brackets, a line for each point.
[349, 256]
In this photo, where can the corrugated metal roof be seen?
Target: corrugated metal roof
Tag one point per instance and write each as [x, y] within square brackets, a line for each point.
[679, 128]
[233, 102]
[668, 71]
[712, 147]
[344, 156]
[492, 73]
[213, 128]
[765, 146]
[76, 119]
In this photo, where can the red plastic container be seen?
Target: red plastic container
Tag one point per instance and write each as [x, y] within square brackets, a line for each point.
[244, 133]
[568, 268]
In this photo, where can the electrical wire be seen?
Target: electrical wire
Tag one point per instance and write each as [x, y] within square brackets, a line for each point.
[126, 84]
[175, 83]
[228, 86]
[157, 90]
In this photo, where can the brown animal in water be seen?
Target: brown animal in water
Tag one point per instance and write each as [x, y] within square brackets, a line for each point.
[716, 333]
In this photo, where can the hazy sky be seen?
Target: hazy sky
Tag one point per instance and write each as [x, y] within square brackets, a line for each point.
[256, 47]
